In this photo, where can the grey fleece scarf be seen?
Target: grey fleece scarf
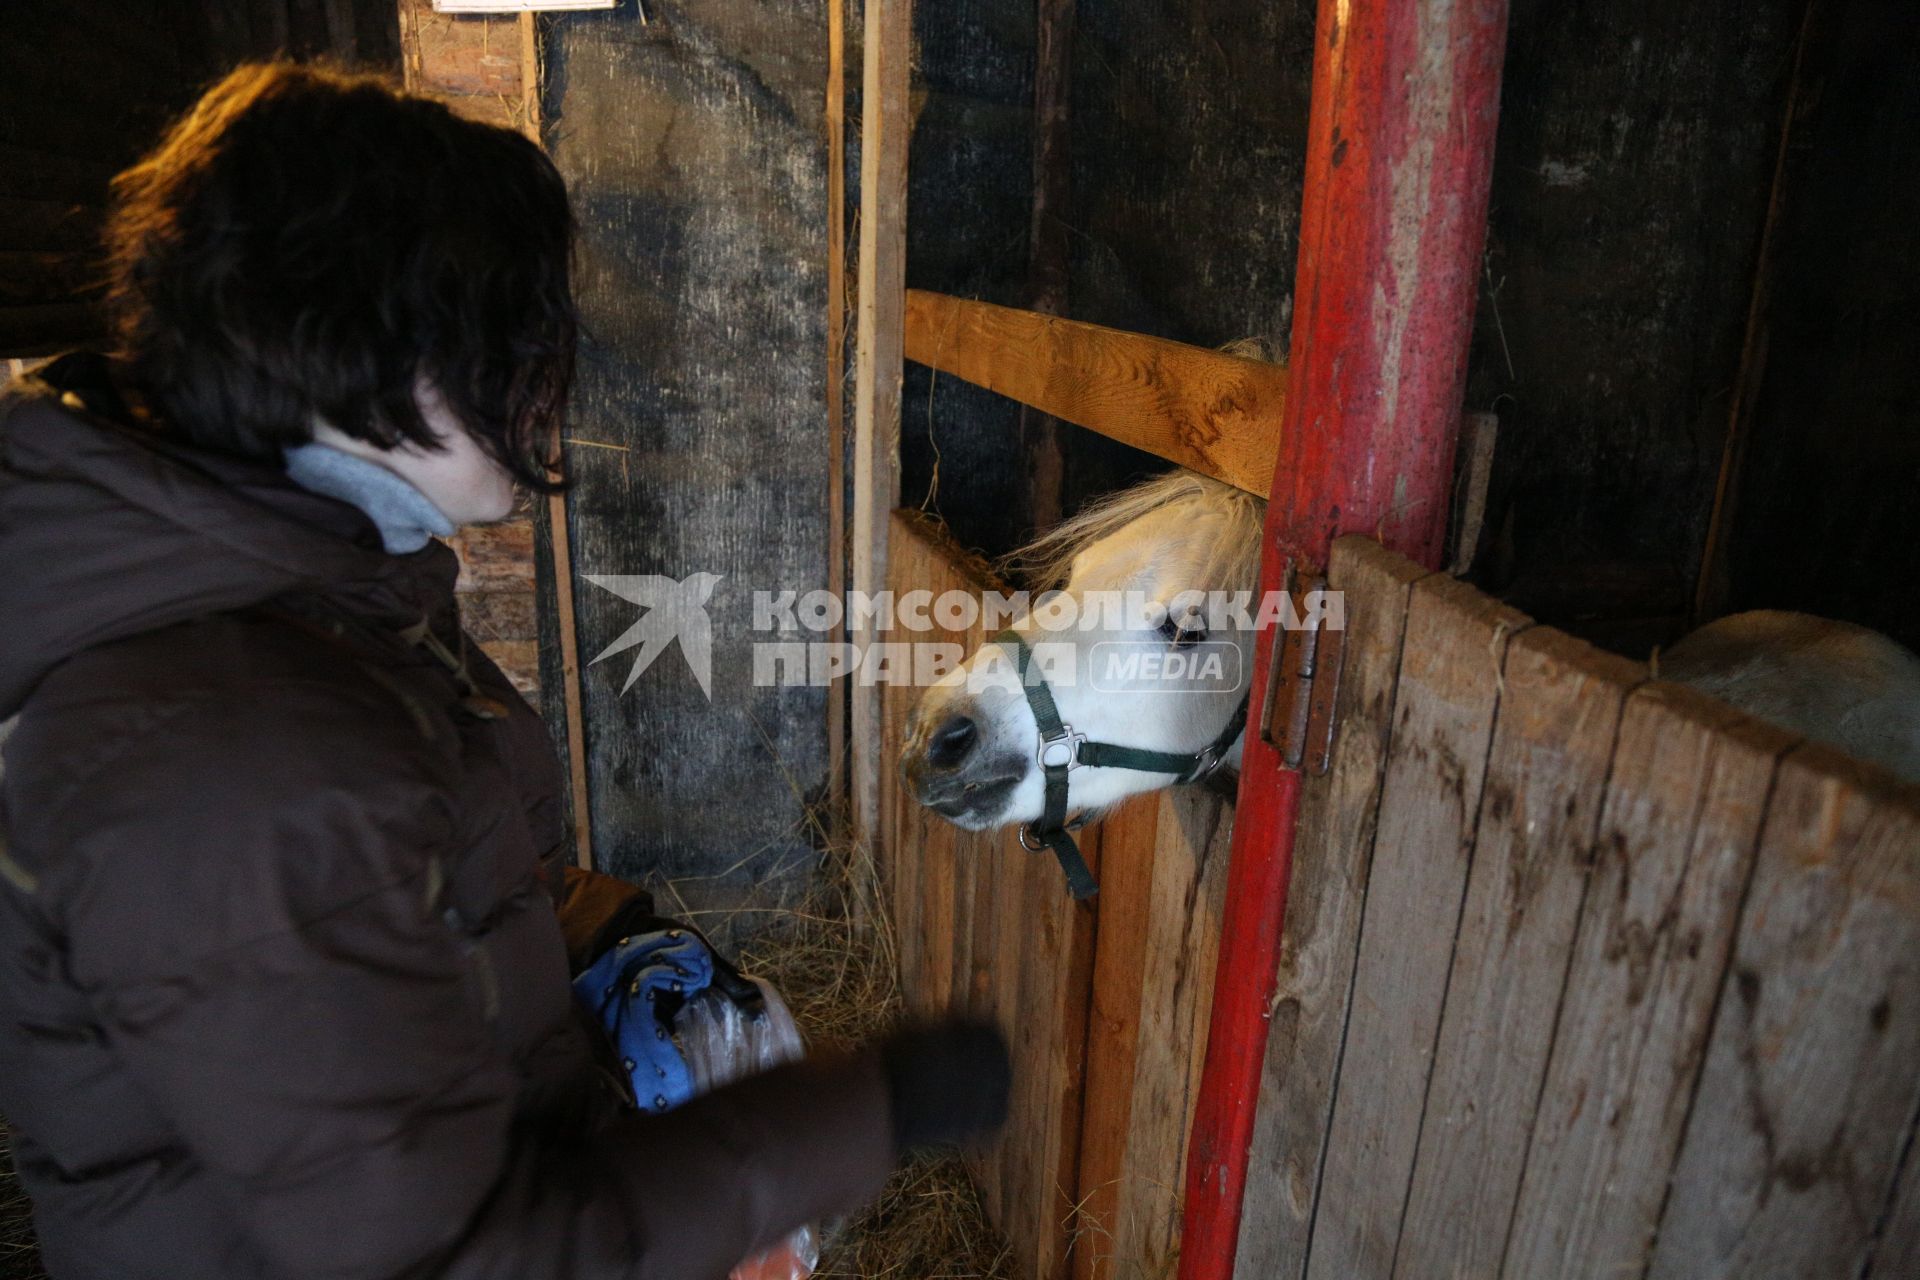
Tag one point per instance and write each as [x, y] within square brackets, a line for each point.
[405, 516]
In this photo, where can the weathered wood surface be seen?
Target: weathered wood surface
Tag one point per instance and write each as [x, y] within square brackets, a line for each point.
[970, 197]
[985, 926]
[1121, 959]
[1560, 704]
[1205, 410]
[1436, 760]
[694, 150]
[1106, 1002]
[885, 127]
[1822, 522]
[1809, 1092]
[1332, 853]
[1636, 143]
[1049, 252]
[1672, 857]
[1637, 983]
[1186, 903]
[836, 534]
[1163, 865]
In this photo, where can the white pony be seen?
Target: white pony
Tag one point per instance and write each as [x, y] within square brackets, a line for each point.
[1831, 681]
[974, 750]
[1136, 668]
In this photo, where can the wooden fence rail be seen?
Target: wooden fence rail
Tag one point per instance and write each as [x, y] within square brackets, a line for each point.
[1208, 411]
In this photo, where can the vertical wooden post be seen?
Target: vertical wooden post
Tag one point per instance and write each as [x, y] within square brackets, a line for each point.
[557, 532]
[885, 124]
[838, 769]
[1048, 260]
[1399, 156]
[1712, 584]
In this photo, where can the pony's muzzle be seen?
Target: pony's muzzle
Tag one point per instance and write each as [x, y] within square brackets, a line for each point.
[950, 770]
[951, 741]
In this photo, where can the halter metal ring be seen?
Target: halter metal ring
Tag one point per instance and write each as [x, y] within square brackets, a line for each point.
[1027, 842]
[1061, 751]
[1209, 762]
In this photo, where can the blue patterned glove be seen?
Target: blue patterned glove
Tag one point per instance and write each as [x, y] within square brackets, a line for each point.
[628, 989]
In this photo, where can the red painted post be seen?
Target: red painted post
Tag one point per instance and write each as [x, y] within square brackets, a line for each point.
[1399, 153]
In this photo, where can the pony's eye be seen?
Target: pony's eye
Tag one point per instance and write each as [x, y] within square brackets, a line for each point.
[1178, 636]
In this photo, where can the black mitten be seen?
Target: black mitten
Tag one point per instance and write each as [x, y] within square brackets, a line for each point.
[947, 1081]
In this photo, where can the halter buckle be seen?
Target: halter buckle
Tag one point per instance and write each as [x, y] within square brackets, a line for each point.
[1062, 751]
[1208, 763]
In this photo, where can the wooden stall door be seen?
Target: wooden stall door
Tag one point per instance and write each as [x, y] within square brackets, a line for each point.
[1588, 975]
[1105, 1002]
[1163, 867]
[985, 927]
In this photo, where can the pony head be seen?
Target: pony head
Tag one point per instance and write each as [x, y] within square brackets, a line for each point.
[1140, 633]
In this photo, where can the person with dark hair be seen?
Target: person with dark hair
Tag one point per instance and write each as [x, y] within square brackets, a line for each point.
[287, 925]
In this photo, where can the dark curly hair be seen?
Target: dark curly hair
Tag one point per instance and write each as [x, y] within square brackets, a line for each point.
[305, 242]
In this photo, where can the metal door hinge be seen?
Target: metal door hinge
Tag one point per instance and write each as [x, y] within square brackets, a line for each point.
[1305, 682]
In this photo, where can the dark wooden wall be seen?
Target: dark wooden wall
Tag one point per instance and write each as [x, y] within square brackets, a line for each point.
[1635, 167]
[969, 205]
[695, 148]
[85, 87]
[1631, 181]
[1823, 516]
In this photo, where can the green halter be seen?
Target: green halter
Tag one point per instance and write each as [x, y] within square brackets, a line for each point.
[1062, 750]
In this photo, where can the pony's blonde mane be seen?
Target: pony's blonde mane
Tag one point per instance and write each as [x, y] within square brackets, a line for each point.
[1232, 565]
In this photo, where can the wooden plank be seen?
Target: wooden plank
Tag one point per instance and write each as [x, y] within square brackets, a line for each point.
[559, 535]
[1436, 760]
[885, 127]
[1176, 1000]
[1672, 858]
[1129, 838]
[838, 766]
[899, 815]
[1044, 951]
[1473, 476]
[938, 850]
[1809, 1089]
[982, 924]
[1055, 983]
[1333, 850]
[1207, 411]
[1049, 256]
[682, 416]
[1540, 806]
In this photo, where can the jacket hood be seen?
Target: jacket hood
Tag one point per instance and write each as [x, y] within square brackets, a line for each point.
[108, 530]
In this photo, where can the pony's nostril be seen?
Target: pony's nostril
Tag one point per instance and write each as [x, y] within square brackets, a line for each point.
[949, 744]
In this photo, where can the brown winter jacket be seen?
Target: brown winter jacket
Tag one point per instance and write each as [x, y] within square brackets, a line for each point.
[282, 987]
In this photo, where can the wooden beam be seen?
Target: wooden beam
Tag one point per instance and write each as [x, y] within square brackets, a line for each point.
[885, 125]
[838, 770]
[559, 537]
[1210, 412]
[1712, 583]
